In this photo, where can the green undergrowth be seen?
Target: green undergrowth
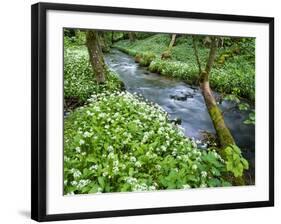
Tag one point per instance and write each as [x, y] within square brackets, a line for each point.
[233, 71]
[79, 80]
[71, 39]
[235, 162]
[118, 142]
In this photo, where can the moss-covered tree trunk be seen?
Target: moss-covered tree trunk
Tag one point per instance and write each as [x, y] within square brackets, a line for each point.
[96, 56]
[224, 136]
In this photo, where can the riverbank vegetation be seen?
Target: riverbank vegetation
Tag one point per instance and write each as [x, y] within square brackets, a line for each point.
[79, 83]
[233, 72]
[118, 141]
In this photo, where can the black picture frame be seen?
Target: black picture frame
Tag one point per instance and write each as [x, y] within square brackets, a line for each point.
[38, 110]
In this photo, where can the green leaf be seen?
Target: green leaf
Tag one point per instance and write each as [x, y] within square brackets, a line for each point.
[214, 182]
[94, 189]
[245, 163]
[243, 106]
[101, 181]
[131, 171]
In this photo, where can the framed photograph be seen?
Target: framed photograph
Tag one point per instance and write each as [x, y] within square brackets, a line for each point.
[139, 111]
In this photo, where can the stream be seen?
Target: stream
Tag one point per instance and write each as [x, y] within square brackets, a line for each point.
[184, 102]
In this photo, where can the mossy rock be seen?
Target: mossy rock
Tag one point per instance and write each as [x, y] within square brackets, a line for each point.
[138, 58]
[166, 55]
[146, 58]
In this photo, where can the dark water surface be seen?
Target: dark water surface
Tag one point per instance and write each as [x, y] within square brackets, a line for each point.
[182, 101]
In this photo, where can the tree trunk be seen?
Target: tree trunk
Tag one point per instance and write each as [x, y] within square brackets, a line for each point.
[132, 36]
[96, 56]
[172, 42]
[103, 43]
[196, 54]
[167, 53]
[112, 38]
[224, 136]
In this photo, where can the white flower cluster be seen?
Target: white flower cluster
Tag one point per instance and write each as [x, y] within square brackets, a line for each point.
[115, 168]
[140, 187]
[78, 149]
[158, 167]
[110, 149]
[94, 167]
[117, 142]
[204, 174]
[133, 159]
[131, 180]
[76, 173]
[111, 155]
[150, 154]
[143, 187]
[145, 137]
[87, 134]
[82, 183]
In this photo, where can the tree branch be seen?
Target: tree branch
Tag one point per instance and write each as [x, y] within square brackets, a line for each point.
[196, 54]
[212, 54]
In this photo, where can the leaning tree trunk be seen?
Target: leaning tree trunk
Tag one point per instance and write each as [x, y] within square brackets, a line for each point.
[96, 56]
[172, 42]
[167, 53]
[223, 134]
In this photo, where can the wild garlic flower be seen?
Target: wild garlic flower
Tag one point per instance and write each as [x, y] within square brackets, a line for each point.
[94, 167]
[158, 167]
[194, 167]
[110, 149]
[78, 149]
[115, 163]
[87, 134]
[133, 159]
[82, 183]
[204, 174]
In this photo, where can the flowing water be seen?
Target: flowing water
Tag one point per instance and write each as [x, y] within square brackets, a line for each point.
[182, 101]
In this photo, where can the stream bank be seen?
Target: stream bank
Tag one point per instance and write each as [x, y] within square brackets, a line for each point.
[183, 102]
